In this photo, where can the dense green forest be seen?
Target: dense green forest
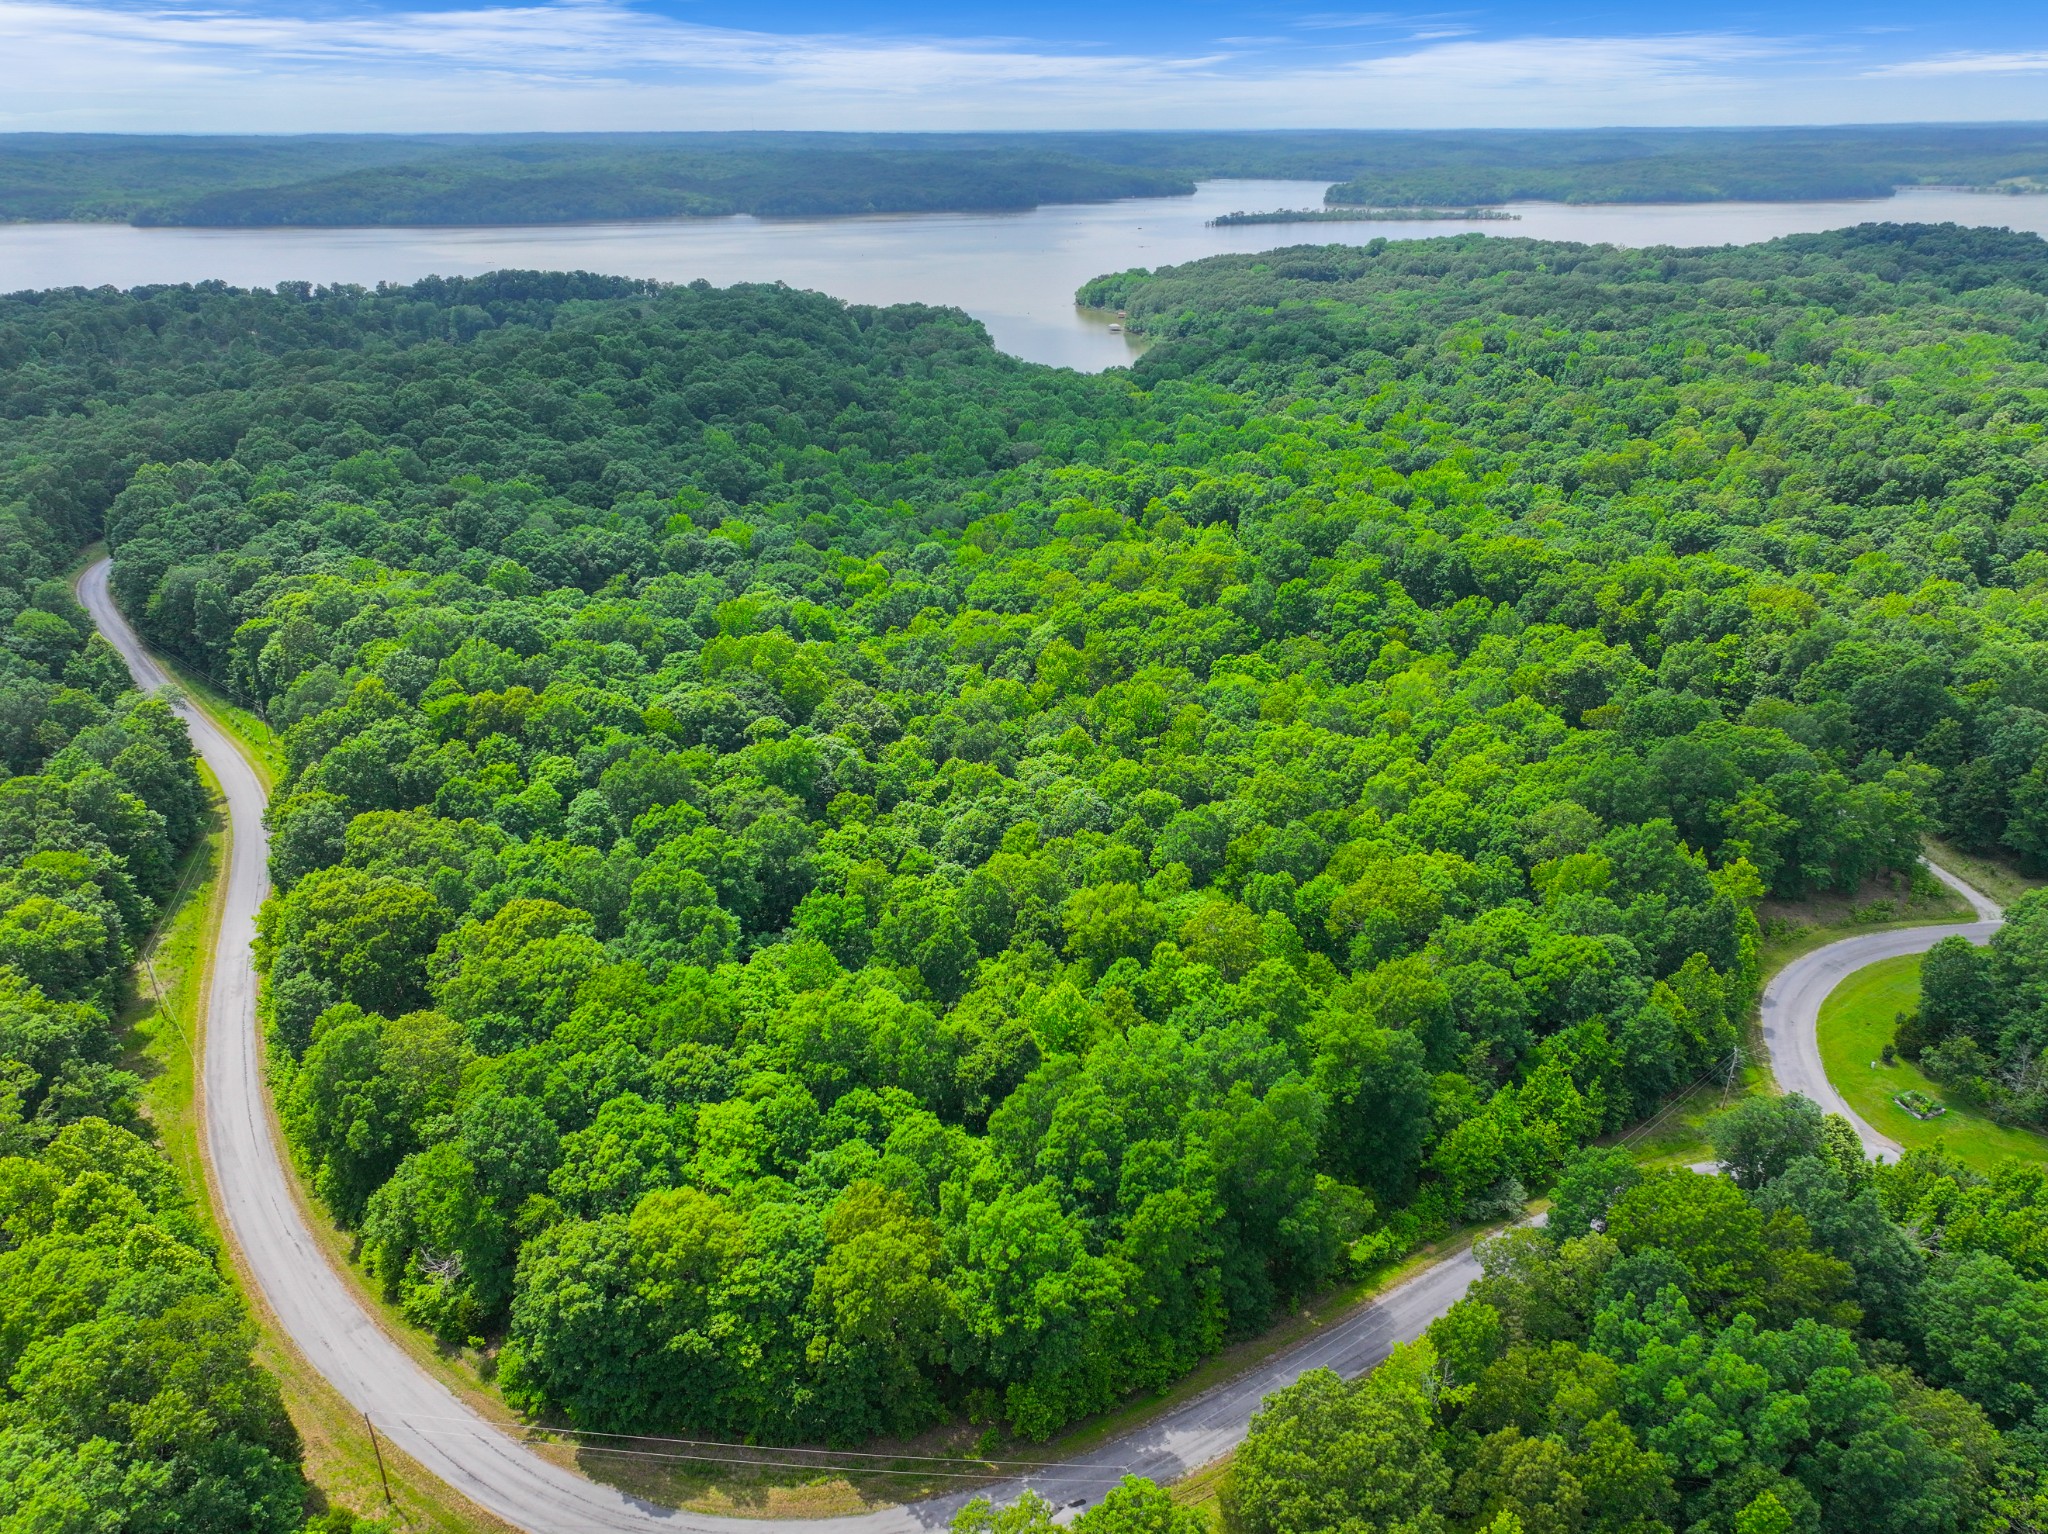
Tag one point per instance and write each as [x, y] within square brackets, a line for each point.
[1983, 1013]
[1818, 1344]
[554, 178]
[128, 1399]
[1814, 1343]
[829, 878]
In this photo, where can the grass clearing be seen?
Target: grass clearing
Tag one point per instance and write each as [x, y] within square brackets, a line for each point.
[1792, 928]
[1676, 1135]
[88, 556]
[162, 1019]
[263, 746]
[1199, 1489]
[1856, 1023]
[1995, 875]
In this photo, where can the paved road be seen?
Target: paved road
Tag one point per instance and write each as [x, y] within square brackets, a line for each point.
[1791, 1005]
[321, 1314]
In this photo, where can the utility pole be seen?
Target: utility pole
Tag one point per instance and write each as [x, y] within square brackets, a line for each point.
[378, 1449]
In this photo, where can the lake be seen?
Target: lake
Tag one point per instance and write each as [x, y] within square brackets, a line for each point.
[1016, 272]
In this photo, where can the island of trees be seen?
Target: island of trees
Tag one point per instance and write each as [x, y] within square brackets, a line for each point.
[1364, 216]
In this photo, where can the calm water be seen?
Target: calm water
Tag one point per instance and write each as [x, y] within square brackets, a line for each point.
[1016, 272]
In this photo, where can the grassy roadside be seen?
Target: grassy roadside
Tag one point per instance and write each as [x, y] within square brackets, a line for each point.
[1790, 930]
[639, 1467]
[1998, 877]
[262, 745]
[1674, 1137]
[737, 1491]
[1856, 1023]
[163, 1021]
[87, 557]
[161, 1014]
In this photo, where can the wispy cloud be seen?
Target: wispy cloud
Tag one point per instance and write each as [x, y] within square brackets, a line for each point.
[1964, 64]
[1329, 21]
[575, 63]
[572, 38]
[225, 65]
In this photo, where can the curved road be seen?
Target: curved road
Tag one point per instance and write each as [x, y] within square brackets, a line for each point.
[322, 1316]
[320, 1313]
[1791, 1006]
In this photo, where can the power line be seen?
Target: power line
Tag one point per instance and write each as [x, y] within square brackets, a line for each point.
[748, 1449]
[993, 1473]
[1684, 1094]
[1734, 1065]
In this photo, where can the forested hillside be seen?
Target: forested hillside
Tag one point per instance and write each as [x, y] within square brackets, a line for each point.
[453, 179]
[830, 878]
[332, 179]
[128, 1400]
[1697, 165]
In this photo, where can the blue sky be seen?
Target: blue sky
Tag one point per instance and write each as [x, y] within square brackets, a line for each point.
[488, 65]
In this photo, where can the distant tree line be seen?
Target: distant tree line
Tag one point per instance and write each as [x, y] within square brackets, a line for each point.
[330, 180]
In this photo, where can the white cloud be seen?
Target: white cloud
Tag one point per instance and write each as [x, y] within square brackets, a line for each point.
[78, 62]
[605, 64]
[1576, 63]
[1324, 21]
[1964, 64]
[572, 38]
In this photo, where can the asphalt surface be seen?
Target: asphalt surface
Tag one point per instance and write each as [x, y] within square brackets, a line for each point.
[1791, 1005]
[321, 1314]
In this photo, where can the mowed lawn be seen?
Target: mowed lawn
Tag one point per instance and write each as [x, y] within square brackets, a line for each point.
[1856, 1023]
